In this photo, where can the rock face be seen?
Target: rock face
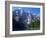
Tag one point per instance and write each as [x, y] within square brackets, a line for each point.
[20, 20]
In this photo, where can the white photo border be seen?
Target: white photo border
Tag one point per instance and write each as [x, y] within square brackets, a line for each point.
[26, 31]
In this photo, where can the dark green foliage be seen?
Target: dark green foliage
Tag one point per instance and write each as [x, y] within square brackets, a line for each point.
[34, 25]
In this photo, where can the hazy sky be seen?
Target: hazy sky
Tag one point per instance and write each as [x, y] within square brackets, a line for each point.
[34, 11]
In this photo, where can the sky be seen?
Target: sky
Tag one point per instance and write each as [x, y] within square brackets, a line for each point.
[34, 10]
